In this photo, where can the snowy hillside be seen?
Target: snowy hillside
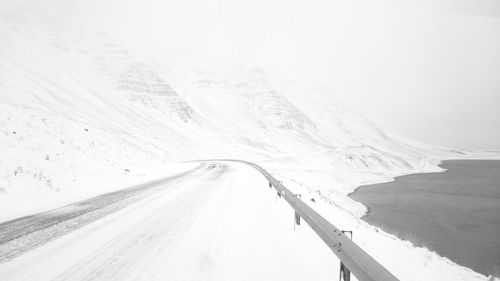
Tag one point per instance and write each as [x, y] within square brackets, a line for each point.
[81, 115]
[78, 102]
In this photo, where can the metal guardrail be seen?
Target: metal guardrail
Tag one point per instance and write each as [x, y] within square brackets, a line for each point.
[362, 265]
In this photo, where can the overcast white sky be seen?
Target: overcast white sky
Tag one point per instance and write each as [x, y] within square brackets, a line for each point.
[428, 69]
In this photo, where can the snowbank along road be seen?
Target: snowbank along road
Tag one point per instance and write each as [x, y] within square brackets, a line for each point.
[214, 222]
[359, 262]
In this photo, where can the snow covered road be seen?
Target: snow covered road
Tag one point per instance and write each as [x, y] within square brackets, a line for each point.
[216, 222]
[26, 233]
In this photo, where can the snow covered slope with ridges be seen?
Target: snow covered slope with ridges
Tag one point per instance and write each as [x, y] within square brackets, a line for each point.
[65, 126]
[134, 79]
[90, 84]
[107, 115]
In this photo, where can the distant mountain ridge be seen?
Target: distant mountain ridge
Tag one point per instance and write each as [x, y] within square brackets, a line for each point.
[78, 102]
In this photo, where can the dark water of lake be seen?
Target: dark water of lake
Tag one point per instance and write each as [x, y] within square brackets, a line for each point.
[455, 213]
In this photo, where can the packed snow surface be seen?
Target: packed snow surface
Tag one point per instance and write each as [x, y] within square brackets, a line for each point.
[80, 115]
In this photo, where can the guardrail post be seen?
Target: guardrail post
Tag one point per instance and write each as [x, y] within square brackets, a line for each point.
[345, 273]
[297, 216]
[270, 185]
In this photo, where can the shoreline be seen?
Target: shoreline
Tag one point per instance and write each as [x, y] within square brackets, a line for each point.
[415, 241]
[419, 172]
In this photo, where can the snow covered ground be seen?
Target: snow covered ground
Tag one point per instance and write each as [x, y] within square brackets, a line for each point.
[80, 115]
[221, 223]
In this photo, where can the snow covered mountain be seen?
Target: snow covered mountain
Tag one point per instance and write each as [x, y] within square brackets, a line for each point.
[78, 111]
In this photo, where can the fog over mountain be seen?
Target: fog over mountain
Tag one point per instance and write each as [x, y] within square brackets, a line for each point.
[384, 58]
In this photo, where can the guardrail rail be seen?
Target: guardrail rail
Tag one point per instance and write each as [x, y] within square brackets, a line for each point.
[362, 265]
